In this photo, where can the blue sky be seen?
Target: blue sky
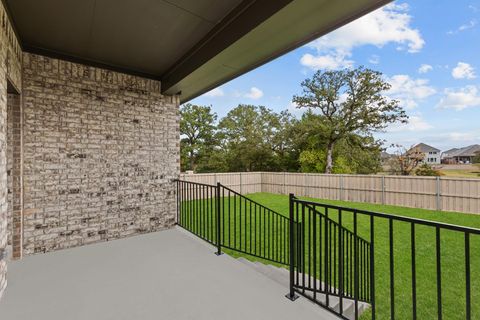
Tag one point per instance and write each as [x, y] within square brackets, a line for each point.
[429, 50]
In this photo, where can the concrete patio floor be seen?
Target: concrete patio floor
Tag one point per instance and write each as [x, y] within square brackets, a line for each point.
[163, 275]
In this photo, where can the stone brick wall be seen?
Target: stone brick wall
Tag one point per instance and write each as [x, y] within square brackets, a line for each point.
[14, 175]
[100, 151]
[10, 70]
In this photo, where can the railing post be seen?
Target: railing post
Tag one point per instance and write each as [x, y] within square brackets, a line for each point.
[291, 295]
[218, 212]
[178, 202]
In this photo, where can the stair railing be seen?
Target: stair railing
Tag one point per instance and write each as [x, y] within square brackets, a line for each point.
[345, 263]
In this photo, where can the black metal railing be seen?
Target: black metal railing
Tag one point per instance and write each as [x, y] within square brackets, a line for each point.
[385, 266]
[231, 221]
[349, 267]
[197, 206]
[331, 261]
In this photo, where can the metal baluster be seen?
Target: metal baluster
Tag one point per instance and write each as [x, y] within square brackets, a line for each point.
[250, 227]
[297, 238]
[223, 215]
[255, 229]
[326, 284]
[340, 262]
[204, 212]
[245, 225]
[372, 266]
[310, 248]
[392, 270]
[467, 277]
[414, 272]
[229, 219]
[355, 231]
[212, 199]
[197, 220]
[333, 265]
[303, 253]
[439, 274]
[314, 247]
[264, 233]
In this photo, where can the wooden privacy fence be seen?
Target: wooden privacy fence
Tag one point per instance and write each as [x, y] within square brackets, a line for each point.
[437, 193]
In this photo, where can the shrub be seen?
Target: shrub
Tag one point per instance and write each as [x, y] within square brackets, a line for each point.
[426, 170]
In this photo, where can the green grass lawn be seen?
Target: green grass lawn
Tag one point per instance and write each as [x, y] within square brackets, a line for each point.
[452, 250]
[470, 171]
[251, 239]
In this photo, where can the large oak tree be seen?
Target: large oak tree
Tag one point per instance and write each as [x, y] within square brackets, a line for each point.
[351, 101]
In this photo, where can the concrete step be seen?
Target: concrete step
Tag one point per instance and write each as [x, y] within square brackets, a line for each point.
[281, 276]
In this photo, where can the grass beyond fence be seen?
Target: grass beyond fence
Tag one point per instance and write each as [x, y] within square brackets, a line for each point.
[452, 252]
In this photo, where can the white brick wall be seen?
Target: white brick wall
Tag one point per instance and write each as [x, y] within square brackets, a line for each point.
[100, 152]
[10, 67]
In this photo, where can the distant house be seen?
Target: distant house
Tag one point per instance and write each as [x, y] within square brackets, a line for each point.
[431, 154]
[463, 155]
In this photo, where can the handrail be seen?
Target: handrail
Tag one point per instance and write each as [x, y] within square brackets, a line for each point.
[333, 221]
[396, 217]
[197, 183]
[255, 202]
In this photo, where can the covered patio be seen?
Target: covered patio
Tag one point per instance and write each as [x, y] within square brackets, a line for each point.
[164, 275]
[90, 152]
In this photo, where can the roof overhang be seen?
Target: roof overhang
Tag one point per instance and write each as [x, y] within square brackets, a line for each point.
[191, 46]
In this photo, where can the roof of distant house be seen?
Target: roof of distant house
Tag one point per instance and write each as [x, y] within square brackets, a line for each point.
[425, 148]
[463, 152]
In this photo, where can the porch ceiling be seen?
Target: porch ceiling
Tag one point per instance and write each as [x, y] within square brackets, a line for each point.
[190, 45]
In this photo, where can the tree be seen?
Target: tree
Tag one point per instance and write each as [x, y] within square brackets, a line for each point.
[197, 131]
[254, 138]
[405, 162]
[351, 102]
[476, 159]
[426, 170]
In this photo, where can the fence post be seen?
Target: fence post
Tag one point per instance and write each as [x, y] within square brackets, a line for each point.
[341, 187]
[219, 241]
[383, 189]
[291, 294]
[241, 189]
[305, 185]
[284, 183]
[438, 191]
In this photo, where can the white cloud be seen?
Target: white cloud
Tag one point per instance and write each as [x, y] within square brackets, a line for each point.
[409, 91]
[374, 59]
[460, 99]
[461, 136]
[326, 62]
[415, 123]
[469, 25]
[254, 93]
[463, 70]
[424, 68]
[389, 24]
[217, 92]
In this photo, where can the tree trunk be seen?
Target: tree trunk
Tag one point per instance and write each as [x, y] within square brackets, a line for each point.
[329, 166]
